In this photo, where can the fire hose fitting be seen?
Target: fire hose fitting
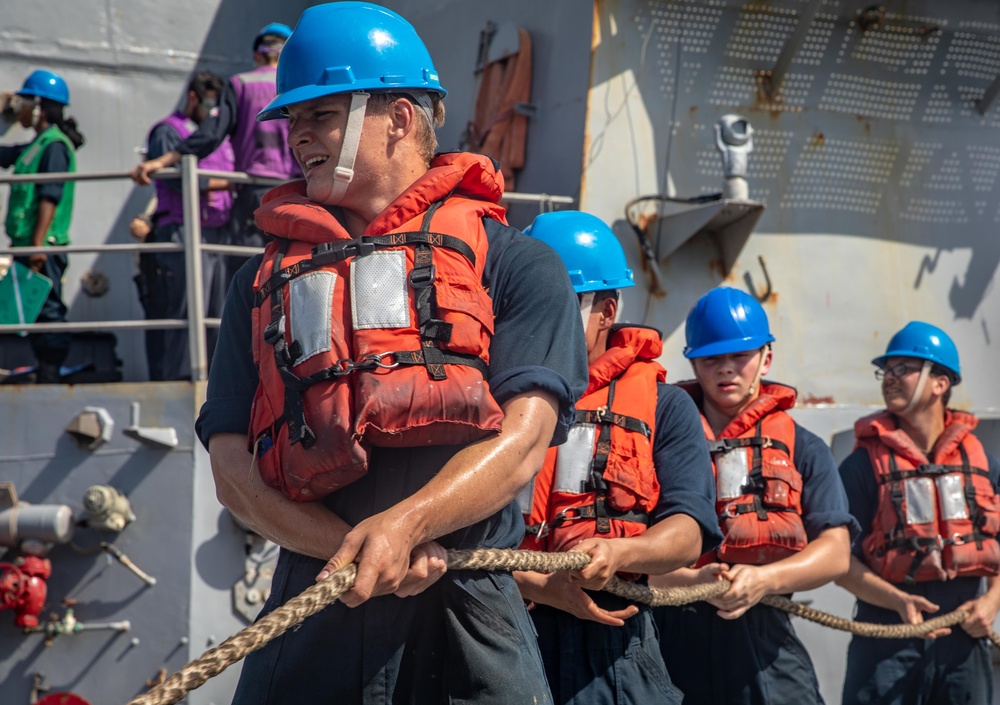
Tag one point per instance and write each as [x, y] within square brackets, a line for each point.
[23, 588]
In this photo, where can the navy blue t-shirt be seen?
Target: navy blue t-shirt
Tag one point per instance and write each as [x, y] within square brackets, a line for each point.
[858, 476]
[824, 501]
[55, 160]
[537, 344]
[683, 464]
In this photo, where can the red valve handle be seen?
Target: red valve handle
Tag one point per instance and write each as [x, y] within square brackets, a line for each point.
[11, 595]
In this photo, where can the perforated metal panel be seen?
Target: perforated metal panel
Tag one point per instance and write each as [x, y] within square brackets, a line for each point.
[858, 75]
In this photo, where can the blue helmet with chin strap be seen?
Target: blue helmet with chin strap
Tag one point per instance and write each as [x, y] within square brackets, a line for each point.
[350, 47]
[46, 84]
[726, 321]
[924, 342]
[587, 246]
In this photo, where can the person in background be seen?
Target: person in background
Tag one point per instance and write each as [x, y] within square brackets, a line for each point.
[392, 370]
[39, 215]
[924, 490]
[260, 148]
[632, 487]
[781, 508]
[162, 275]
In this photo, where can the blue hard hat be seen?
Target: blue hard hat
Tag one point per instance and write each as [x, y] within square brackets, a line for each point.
[274, 29]
[347, 47]
[726, 321]
[45, 84]
[925, 342]
[587, 246]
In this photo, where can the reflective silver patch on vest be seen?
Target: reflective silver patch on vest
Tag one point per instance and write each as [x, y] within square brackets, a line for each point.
[951, 497]
[920, 500]
[732, 473]
[378, 291]
[526, 497]
[310, 299]
[575, 458]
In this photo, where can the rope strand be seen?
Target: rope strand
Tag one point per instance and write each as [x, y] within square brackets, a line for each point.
[316, 597]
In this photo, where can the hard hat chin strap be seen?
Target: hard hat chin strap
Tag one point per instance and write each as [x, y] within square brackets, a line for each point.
[752, 389]
[343, 174]
[586, 304]
[925, 373]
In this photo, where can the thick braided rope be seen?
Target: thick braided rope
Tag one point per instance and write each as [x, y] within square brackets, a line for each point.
[879, 631]
[316, 597]
[217, 659]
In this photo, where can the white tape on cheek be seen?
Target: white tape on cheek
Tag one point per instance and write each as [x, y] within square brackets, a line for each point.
[586, 303]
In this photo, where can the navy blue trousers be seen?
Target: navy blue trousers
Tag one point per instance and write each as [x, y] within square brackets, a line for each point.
[467, 639]
[164, 295]
[951, 670]
[595, 664]
[754, 660]
[51, 349]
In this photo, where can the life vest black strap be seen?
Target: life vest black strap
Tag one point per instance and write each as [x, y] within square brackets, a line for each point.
[754, 507]
[417, 357]
[284, 359]
[331, 252]
[589, 511]
[279, 277]
[723, 445]
[424, 237]
[599, 464]
[604, 416]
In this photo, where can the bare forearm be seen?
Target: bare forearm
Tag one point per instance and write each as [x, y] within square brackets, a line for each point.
[824, 559]
[868, 586]
[682, 577]
[167, 159]
[304, 527]
[46, 212]
[484, 477]
[666, 546]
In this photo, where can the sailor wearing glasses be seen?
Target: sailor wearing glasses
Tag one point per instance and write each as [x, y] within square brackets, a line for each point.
[925, 493]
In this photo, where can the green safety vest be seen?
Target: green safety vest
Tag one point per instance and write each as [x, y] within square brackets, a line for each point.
[22, 209]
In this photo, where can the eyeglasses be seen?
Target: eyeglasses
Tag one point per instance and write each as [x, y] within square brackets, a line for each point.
[897, 371]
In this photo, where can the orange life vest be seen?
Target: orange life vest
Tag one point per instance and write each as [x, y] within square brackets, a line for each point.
[936, 520]
[602, 482]
[758, 488]
[381, 340]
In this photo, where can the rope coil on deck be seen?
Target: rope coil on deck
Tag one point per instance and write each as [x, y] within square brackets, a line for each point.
[316, 597]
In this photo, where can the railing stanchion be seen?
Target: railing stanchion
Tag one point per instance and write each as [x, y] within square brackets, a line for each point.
[192, 253]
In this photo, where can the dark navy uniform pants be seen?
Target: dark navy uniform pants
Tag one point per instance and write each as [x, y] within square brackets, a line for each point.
[754, 660]
[164, 295]
[951, 670]
[466, 639]
[595, 664]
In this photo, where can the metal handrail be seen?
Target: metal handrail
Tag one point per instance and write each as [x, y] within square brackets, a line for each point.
[196, 322]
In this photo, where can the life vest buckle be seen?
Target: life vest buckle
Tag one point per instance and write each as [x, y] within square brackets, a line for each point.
[422, 277]
[274, 331]
[375, 359]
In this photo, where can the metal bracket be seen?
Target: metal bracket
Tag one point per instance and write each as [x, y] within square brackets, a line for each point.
[748, 278]
[772, 80]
